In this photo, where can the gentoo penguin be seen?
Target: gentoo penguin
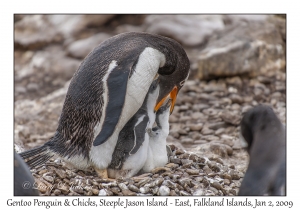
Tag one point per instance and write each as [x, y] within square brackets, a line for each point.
[108, 88]
[131, 149]
[157, 155]
[23, 180]
[265, 136]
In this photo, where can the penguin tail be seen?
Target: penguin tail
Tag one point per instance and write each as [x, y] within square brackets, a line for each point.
[37, 156]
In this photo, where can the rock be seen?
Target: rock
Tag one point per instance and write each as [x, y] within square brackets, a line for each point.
[72, 25]
[48, 178]
[216, 125]
[77, 189]
[144, 190]
[207, 131]
[226, 181]
[95, 191]
[64, 188]
[57, 192]
[103, 192]
[127, 192]
[81, 48]
[216, 148]
[187, 141]
[210, 138]
[190, 30]
[236, 98]
[34, 32]
[217, 185]
[196, 127]
[122, 186]
[62, 174]
[240, 49]
[184, 193]
[199, 192]
[133, 188]
[164, 191]
[160, 169]
[175, 160]
[192, 171]
[219, 131]
[231, 118]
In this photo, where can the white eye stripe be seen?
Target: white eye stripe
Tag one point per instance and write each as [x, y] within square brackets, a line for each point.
[182, 83]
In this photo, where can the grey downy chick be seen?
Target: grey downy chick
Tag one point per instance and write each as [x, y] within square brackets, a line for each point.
[157, 151]
[130, 153]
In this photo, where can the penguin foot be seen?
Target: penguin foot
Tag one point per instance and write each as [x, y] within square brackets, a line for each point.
[102, 173]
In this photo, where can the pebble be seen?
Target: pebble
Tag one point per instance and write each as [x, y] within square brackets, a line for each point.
[184, 193]
[196, 127]
[133, 188]
[217, 185]
[187, 141]
[103, 192]
[127, 192]
[211, 138]
[57, 192]
[231, 118]
[164, 190]
[235, 98]
[95, 191]
[192, 171]
[207, 131]
[145, 189]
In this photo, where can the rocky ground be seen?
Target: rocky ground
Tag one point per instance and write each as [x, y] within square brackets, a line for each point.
[237, 62]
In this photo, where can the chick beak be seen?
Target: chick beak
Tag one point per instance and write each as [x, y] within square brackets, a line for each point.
[172, 95]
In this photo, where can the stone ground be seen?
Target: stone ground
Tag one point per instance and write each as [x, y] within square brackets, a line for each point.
[207, 157]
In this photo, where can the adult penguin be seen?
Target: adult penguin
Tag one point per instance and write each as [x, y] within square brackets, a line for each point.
[265, 136]
[108, 88]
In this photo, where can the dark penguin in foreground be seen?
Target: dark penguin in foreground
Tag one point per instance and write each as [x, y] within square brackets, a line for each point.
[131, 149]
[23, 179]
[108, 88]
[266, 139]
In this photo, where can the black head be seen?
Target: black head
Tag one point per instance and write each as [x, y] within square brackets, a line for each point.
[259, 118]
[173, 74]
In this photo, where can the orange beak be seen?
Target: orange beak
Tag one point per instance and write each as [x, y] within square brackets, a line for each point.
[173, 95]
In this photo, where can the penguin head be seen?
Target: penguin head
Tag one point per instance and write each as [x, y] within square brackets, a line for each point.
[258, 119]
[170, 84]
[174, 72]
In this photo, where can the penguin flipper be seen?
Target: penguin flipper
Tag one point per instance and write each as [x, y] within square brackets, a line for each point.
[117, 87]
[139, 133]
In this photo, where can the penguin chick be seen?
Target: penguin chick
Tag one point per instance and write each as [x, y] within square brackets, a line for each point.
[157, 155]
[131, 150]
[108, 88]
[265, 136]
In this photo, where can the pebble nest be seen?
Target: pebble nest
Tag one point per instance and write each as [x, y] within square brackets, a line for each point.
[186, 174]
